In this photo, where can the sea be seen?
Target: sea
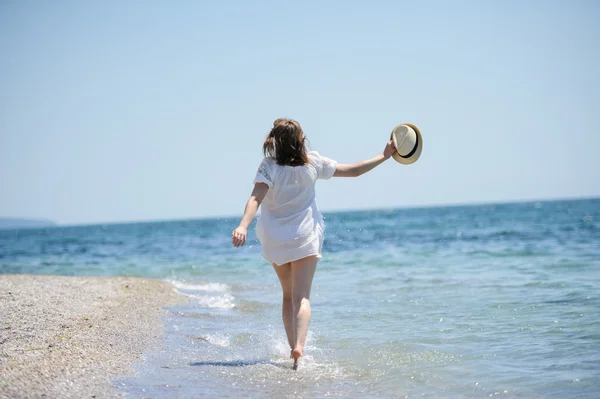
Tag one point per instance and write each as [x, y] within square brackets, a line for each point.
[494, 300]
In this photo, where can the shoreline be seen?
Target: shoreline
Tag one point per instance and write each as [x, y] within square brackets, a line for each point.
[67, 337]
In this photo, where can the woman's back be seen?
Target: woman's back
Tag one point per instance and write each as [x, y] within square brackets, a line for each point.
[289, 209]
[292, 188]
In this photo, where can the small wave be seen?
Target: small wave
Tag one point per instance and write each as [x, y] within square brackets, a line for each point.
[252, 306]
[213, 287]
[214, 339]
[213, 302]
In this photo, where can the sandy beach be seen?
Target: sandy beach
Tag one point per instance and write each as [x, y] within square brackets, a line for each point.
[66, 337]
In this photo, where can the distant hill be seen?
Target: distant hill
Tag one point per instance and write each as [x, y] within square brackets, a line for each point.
[18, 223]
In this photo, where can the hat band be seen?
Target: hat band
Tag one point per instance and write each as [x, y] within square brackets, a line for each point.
[410, 154]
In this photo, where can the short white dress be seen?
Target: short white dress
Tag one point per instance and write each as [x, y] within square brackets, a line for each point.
[290, 226]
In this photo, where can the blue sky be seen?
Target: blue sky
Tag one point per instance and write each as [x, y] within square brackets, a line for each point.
[124, 111]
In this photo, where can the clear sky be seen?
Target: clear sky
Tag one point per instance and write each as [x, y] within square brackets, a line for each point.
[144, 110]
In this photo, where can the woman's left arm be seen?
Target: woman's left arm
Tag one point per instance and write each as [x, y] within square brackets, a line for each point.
[238, 236]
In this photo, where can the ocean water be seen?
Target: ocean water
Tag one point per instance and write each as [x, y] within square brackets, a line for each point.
[453, 302]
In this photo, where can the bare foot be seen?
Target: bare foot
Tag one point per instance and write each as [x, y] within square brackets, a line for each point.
[296, 354]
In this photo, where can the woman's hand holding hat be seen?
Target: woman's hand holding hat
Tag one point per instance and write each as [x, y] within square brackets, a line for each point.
[389, 150]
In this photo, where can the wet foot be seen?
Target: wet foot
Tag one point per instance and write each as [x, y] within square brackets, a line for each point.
[296, 354]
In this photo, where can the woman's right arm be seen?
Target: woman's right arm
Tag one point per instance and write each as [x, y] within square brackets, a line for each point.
[238, 236]
[358, 168]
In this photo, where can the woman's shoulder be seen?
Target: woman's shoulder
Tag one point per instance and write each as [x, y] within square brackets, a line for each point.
[268, 161]
[314, 155]
[315, 158]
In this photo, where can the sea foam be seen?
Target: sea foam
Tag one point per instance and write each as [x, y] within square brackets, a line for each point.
[212, 287]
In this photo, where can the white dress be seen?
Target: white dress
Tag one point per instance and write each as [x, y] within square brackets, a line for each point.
[290, 226]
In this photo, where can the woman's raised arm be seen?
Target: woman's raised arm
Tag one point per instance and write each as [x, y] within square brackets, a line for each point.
[358, 168]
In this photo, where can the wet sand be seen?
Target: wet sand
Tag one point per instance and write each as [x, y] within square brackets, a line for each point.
[66, 337]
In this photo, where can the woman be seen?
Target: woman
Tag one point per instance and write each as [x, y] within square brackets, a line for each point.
[290, 227]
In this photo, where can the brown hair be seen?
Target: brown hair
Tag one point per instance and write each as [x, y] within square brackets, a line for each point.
[285, 143]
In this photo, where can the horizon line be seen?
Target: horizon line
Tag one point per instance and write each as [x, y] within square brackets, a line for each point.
[340, 210]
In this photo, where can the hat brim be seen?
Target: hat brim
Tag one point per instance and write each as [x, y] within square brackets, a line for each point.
[413, 158]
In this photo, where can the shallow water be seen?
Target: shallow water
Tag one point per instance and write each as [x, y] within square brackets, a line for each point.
[473, 301]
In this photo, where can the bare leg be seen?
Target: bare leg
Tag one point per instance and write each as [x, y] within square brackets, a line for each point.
[303, 271]
[284, 272]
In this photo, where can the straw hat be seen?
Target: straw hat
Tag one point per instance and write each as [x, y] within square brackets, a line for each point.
[408, 142]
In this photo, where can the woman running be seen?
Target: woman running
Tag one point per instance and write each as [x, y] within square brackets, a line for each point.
[290, 227]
